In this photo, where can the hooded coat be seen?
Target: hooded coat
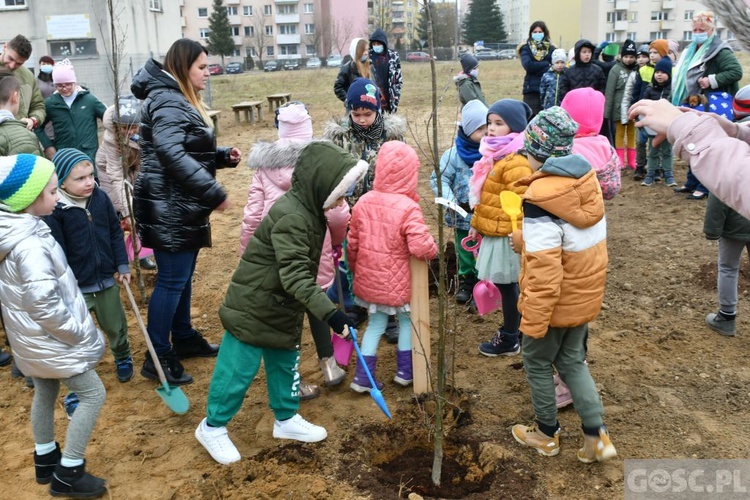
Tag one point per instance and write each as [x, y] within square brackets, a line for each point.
[582, 74]
[15, 138]
[274, 282]
[564, 242]
[176, 190]
[387, 228]
[348, 73]
[44, 312]
[534, 69]
[469, 89]
[274, 164]
[615, 90]
[390, 81]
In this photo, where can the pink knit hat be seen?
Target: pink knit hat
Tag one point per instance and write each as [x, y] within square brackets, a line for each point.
[63, 72]
[295, 122]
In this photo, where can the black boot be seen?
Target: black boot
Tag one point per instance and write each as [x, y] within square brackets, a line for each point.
[173, 370]
[194, 347]
[45, 464]
[640, 173]
[465, 288]
[391, 330]
[5, 358]
[75, 482]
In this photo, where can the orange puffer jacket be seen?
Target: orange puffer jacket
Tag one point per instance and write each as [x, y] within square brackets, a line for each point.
[387, 228]
[489, 218]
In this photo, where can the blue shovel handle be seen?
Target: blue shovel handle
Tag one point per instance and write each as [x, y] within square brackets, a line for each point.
[375, 393]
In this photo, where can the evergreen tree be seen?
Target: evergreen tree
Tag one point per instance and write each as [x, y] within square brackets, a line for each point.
[220, 40]
[443, 24]
[484, 21]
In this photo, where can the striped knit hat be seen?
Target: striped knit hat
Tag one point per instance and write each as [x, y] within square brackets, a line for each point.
[65, 159]
[22, 178]
[741, 102]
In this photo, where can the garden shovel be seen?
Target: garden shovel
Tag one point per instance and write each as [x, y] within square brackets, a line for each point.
[377, 396]
[511, 204]
[173, 396]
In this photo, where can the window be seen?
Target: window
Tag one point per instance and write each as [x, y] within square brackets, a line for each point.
[247, 10]
[610, 17]
[269, 30]
[654, 35]
[409, 15]
[249, 31]
[687, 35]
[632, 35]
[616, 16]
[203, 33]
[73, 48]
[269, 50]
[236, 53]
[633, 16]
[308, 8]
[659, 16]
[250, 51]
[231, 10]
[202, 12]
[155, 5]
[268, 10]
[309, 29]
[235, 30]
[409, 25]
[730, 35]
[12, 4]
[689, 15]
[286, 9]
[610, 37]
[310, 50]
[288, 50]
[287, 29]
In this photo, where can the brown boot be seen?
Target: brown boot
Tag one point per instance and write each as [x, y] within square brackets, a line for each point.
[597, 448]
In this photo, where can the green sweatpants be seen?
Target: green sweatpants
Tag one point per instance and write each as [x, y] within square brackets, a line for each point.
[467, 264]
[566, 349]
[107, 307]
[234, 371]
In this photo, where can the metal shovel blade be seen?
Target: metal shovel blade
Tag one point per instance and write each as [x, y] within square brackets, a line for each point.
[375, 393]
[511, 204]
[173, 396]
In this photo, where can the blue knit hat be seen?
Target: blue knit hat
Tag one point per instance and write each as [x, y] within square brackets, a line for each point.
[65, 159]
[468, 62]
[22, 178]
[473, 116]
[513, 112]
[363, 93]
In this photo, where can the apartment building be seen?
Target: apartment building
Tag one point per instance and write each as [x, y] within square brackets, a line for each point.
[80, 31]
[398, 18]
[280, 29]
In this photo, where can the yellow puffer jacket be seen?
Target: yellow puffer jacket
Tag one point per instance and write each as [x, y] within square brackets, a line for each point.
[489, 218]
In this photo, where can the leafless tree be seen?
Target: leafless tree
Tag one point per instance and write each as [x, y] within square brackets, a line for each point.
[341, 34]
[258, 37]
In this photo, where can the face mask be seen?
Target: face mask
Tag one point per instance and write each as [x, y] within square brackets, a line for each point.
[537, 37]
[363, 58]
[45, 68]
[700, 38]
[474, 72]
[378, 49]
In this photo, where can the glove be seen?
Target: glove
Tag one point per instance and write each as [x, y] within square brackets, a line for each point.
[340, 323]
[338, 251]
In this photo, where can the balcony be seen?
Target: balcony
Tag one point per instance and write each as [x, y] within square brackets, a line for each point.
[287, 39]
[286, 1]
[668, 4]
[232, 2]
[238, 40]
[667, 25]
[621, 25]
[234, 20]
[183, 22]
[399, 19]
[621, 4]
[287, 19]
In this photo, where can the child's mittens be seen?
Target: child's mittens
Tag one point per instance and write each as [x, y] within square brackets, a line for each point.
[340, 323]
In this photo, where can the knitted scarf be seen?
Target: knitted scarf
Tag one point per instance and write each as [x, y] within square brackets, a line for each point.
[492, 150]
[539, 49]
[372, 135]
[467, 149]
[690, 55]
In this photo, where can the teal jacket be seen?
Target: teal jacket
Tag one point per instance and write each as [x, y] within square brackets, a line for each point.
[274, 281]
[75, 127]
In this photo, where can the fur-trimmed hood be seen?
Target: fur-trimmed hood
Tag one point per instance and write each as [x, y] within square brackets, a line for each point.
[394, 127]
[275, 155]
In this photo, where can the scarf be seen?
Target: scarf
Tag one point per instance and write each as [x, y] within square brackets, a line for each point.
[467, 149]
[372, 135]
[539, 49]
[689, 57]
[492, 150]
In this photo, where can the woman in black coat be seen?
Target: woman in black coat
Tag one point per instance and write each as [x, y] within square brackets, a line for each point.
[536, 59]
[175, 193]
[358, 66]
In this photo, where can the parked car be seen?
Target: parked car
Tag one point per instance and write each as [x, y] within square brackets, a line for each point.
[507, 54]
[234, 67]
[215, 69]
[272, 66]
[485, 54]
[418, 57]
[313, 62]
[291, 64]
[333, 61]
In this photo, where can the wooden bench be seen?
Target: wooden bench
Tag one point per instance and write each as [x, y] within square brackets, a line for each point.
[252, 109]
[277, 100]
[214, 115]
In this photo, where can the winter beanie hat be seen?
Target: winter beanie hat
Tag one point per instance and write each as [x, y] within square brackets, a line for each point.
[22, 178]
[665, 65]
[550, 133]
[295, 122]
[741, 102]
[642, 50]
[628, 48]
[473, 116]
[65, 159]
[130, 110]
[559, 55]
[515, 113]
[673, 46]
[63, 72]
[661, 46]
[611, 50]
[363, 93]
[468, 62]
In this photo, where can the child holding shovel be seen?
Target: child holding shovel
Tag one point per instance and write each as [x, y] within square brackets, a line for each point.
[272, 287]
[45, 316]
[497, 171]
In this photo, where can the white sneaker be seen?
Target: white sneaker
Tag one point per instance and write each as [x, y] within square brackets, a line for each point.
[299, 429]
[217, 443]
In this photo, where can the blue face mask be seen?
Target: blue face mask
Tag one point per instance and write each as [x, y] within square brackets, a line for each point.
[46, 68]
[537, 37]
[378, 49]
[363, 58]
[700, 38]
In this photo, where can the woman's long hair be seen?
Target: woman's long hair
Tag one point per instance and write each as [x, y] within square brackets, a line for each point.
[180, 57]
[363, 47]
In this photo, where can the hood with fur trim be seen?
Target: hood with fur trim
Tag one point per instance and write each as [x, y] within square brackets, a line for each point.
[275, 155]
[394, 128]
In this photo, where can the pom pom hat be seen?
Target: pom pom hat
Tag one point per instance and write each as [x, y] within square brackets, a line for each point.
[22, 178]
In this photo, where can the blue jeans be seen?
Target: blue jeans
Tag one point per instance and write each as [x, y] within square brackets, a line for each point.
[169, 306]
[693, 183]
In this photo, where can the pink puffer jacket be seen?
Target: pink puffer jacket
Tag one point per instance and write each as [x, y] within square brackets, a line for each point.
[387, 228]
[274, 163]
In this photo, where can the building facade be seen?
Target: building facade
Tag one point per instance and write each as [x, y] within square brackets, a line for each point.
[80, 31]
[398, 18]
[280, 29]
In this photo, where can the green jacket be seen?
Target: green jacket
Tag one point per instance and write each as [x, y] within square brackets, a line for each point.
[16, 139]
[723, 222]
[614, 93]
[469, 89]
[75, 127]
[31, 103]
[275, 280]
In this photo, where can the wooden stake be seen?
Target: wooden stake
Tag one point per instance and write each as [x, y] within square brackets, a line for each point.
[420, 325]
